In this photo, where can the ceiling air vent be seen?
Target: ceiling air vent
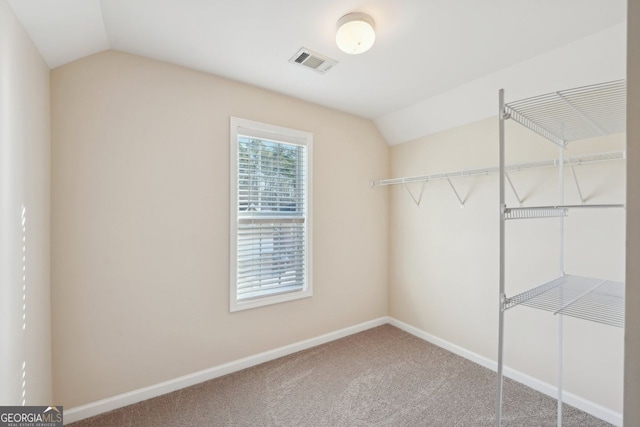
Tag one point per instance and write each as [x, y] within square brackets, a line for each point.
[313, 60]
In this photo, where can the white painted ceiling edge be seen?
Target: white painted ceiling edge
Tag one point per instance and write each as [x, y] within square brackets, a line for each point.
[63, 30]
[592, 59]
[598, 58]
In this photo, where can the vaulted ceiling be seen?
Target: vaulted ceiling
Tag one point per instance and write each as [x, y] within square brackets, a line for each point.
[423, 49]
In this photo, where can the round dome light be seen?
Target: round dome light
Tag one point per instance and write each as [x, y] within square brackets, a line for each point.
[356, 33]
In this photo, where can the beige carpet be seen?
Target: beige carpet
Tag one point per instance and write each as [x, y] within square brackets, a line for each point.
[380, 377]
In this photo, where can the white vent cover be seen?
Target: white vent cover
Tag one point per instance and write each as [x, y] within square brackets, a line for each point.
[313, 60]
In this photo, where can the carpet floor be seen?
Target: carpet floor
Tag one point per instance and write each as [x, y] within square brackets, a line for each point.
[379, 377]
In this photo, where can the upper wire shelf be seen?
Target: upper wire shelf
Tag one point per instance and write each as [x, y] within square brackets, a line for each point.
[540, 164]
[574, 114]
[597, 300]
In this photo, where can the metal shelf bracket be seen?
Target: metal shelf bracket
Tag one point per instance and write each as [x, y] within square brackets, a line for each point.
[418, 199]
[575, 179]
[513, 188]
[456, 193]
[504, 302]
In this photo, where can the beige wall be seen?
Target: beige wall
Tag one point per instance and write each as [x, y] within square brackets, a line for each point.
[632, 337]
[444, 268]
[24, 181]
[140, 225]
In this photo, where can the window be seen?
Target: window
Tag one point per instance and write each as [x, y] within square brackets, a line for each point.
[270, 214]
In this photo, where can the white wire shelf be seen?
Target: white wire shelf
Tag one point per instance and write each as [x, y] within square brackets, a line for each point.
[552, 211]
[574, 114]
[535, 212]
[540, 164]
[596, 300]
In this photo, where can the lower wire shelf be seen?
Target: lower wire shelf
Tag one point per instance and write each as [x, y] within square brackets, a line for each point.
[550, 211]
[597, 300]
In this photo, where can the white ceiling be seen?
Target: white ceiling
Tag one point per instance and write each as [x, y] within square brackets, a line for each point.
[423, 48]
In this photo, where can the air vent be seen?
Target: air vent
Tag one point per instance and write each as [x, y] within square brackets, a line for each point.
[313, 60]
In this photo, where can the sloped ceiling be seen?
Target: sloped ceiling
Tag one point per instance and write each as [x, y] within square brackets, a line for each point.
[424, 48]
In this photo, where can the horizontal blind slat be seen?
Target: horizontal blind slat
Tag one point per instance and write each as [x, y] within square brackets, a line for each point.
[269, 220]
[282, 279]
[264, 262]
[249, 294]
[271, 269]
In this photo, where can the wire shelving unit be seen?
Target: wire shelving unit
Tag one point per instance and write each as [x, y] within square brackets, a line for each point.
[561, 117]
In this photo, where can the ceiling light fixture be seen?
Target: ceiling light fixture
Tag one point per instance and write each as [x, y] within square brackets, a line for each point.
[356, 33]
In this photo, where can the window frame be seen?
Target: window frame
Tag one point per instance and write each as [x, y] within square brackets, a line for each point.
[258, 130]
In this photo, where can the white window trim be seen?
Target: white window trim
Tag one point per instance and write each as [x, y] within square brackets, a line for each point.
[246, 127]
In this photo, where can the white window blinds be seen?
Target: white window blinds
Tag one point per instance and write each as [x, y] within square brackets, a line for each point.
[271, 213]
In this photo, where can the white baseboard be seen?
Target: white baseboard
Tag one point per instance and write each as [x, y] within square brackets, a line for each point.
[585, 405]
[135, 396]
[109, 404]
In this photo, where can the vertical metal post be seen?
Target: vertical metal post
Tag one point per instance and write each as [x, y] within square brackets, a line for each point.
[501, 117]
[560, 317]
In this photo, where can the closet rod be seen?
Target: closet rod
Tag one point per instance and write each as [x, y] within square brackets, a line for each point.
[571, 161]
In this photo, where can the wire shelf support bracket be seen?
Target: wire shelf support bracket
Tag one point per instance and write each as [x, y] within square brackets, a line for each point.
[418, 199]
[456, 193]
[513, 189]
[575, 180]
